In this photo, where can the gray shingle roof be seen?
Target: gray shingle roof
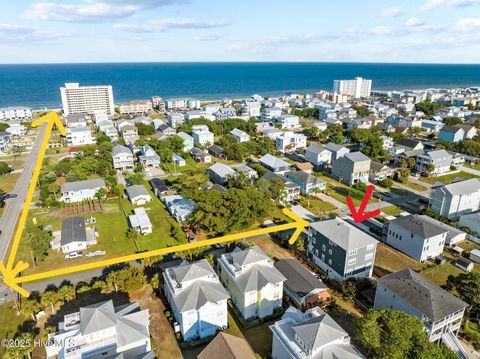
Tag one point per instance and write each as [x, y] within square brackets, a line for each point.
[192, 271]
[343, 233]
[96, 317]
[463, 187]
[304, 177]
[419, 226]
[433, 301]
[316, 149]
[438, 154]
[222, 170]
[333, 147]
[117, 149]
[200, 293]
[273, 162]
[73, 230]
[137, 190]
[248, 256]
[82, 185]
[357, 157]
[299, 279]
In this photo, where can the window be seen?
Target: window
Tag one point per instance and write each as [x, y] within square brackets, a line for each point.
[411, 235]
[330, 252]
[351, 262]
[313, 240]
[368, 256]
[324, 247]
[323, 257]
[352, 252]
[316, 252]
[330, 261]
[370, 247]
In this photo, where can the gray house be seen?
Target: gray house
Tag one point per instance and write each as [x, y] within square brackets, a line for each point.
[319, 156]
[122, 158]
[148, 157]
[352, 168]
[220, 173]
[440, 159]
[336, 150]
[138, 194]
[340, 249]
[308, 184]
[274, 164]
[441, 313]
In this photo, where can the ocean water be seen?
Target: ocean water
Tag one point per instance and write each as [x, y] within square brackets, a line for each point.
[37, 86]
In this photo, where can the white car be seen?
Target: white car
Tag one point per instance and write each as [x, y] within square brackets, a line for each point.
[73, 255]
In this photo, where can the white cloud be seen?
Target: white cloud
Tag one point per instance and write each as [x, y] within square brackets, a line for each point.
[393, 11]
[467, 24]
[208, 36]
[172, 23]
[414, 22]
[383, 31]
[92, 10]
[14, 33]
[435, 4]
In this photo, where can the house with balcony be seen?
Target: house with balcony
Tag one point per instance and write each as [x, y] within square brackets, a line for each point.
[147, 157]
[291, 190]
[337, 151]
[179, 207]
[79, 191]
[440, 159]
[379, 171]
[102, 329]
[290, 141]
[416, 237]
[122, 158]
[254, 284]
[441, 313]
[318, 156]
[187, 141]
[310, 335]
[456, 199]
[274, 164]
[176, 119]
[197, 298]
[469, 131]
[5, 140]
[129, 133]
[308, 183]
[75, 120]
[78, 136]
[220, 173]
[202, 135]
[341, 249]
[352, 168]
[289, 121]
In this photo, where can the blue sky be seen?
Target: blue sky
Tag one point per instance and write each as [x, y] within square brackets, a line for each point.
[439, 31]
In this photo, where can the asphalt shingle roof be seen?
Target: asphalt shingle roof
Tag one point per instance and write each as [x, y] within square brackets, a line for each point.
[299, 279]
[419, 226]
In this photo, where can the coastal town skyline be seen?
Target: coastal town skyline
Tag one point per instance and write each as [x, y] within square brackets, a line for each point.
[78, 31]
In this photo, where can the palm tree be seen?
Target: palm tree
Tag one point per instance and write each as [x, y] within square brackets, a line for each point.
[66, 292]
[30, 307]
[49, 297]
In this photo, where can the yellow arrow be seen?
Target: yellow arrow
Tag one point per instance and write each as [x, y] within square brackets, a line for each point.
[11, 274]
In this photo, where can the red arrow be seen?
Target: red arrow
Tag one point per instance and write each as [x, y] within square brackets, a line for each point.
[359, 216]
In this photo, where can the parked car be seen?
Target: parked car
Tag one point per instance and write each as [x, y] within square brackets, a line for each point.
[9, 195]
[73, 255]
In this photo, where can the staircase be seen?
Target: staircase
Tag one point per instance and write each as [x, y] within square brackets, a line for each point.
[451, 342]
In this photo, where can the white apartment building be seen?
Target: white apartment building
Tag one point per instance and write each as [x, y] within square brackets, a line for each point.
[102, 329]
[289, 121]
[87, 99]
[172, 104]
[456, 199]
[290, 141]
[18, 113]
[252, 281]
[122, 158]
[135, 107]
[79, 136]
[356, 88]
[198, 300]
[175, 119]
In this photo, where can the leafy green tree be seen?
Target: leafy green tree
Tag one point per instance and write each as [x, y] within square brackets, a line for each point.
[402, 174]
[101, 194]
[151, 261]
[452, 121]
[144, 129]
[335, 134]
[467, 287]
[4, 126]
[38, 240]
[136, 178]
[428, 107]
[430, 168]
[362, 111]
[126, 279]
[4, 168]
[49, 297]
[30, 307]
[67, 292]
[396, 335]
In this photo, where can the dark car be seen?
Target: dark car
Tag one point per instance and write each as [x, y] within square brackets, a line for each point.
[9, 195]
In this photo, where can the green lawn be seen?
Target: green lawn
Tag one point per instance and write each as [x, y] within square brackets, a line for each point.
[190, 165]
[448, 178]
[10, 321]
[112, 225]
[389, 260]
[476, 166]
[439, 273]
[415, 186]
[8, 182]
[317, 206]
[336, 189]
[392, 210]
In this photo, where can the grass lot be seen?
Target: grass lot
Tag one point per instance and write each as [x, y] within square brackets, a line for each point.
[8, 182]
[317, 206]
[475, 166]
[392, 210]
[468, 245]
[415, 186]
[10, 321]
[190, 165]
[389, 260]
[337, 190]
[448, 178]
[438, 274]
[112, 225]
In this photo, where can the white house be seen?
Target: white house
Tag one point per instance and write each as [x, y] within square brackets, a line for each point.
[271, 113]
[79, 136]
[122, 158]
[198, 300]
[138, 194]
[179, 207]
[310, 335]
[252, 281]
[289, 121]
[81, 190]
[290, 141]
[175, 119]
[74, 236]
[202, 135]
[456, 199]
[102, 328]
[318, 156]
[139, 221]
[240, 136]
[441, 313]
[75, 120]
[416, 237]
[253, 108]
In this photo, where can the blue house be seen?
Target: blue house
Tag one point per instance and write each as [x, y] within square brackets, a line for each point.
[451, 134]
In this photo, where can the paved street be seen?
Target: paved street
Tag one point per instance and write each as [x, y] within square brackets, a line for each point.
[14, 206]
